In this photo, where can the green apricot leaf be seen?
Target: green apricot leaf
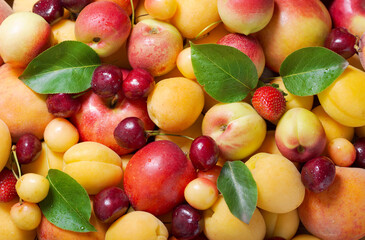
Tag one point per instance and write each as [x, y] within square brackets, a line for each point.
[67, 204]
[239, 189]
[308, 71]
[226, 73]
[64, 68]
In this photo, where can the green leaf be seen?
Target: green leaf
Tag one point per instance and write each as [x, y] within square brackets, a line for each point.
[64, 68]
[239, 189]
[308, 71]
[226, 73]
[67, 204]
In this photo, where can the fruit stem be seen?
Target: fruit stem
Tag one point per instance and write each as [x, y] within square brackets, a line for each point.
[15, 159]
[132, 7]
[155, 133]
[206, 28]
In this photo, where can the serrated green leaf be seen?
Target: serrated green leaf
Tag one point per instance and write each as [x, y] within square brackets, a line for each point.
[67, 204]
[308, 71]
[239, 189]
[64, 68]
[226, 73]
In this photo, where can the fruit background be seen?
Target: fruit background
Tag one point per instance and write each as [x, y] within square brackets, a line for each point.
[180, 119]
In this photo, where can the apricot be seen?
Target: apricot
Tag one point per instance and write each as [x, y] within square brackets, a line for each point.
[175, 103]
[332, 128]
[344, 99]
[293, 101]
[220, 224]
[338, 212]
[279, 184]
[63, 30]
[283, 225]
[93, 165]
[137, 225]
[5, 144]
[192, 17]
[8, 230]
[269, 144]
[47, 159]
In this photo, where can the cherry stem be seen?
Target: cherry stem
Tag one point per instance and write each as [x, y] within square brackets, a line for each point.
[155, 133]
[132, 7]
[15, 159]
[206, 28]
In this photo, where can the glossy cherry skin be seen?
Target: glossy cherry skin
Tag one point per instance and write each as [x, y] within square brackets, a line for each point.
[107, 81]
[63, 105]
[341, 42]
[204, 153]
[138, 84]
[110, 204]
[50, 10]
[130, 133]
[318, 174]
[359, 145]
[186, 222]
[28, 148]
[75, 6]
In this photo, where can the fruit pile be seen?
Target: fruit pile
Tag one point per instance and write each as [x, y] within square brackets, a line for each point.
[182, 119]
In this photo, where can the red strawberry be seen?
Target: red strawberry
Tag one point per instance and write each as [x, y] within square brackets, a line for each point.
[269, 102]
[7, 185]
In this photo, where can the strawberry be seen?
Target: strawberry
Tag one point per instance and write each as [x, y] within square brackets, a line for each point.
[7, 185]
[269, 102]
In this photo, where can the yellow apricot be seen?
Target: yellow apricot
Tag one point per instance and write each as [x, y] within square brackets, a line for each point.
[93, 165]
[344, 99]
[332, 128]
[283, 225]
[221, 224]
[175, 103]
[137, 225]
[5, 144]
[64, 30]
[192, 17]
[279, 184]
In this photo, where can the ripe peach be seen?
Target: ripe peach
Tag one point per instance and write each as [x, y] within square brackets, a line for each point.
[193, 17]
[154, 45]
[104, 26]
[23, 110]
[137, 225]
[293, 101]
[219, 224]
[125, 4]
[300, 135]
[8, 230]
[93, 165]
[279, 185]
[245, 16]
[332, 128]
[283, 225]
[23, 35]
[5, 10]
[175, 103]
[344, 100]
[236, 127]
[290, 18]
[338, 212]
